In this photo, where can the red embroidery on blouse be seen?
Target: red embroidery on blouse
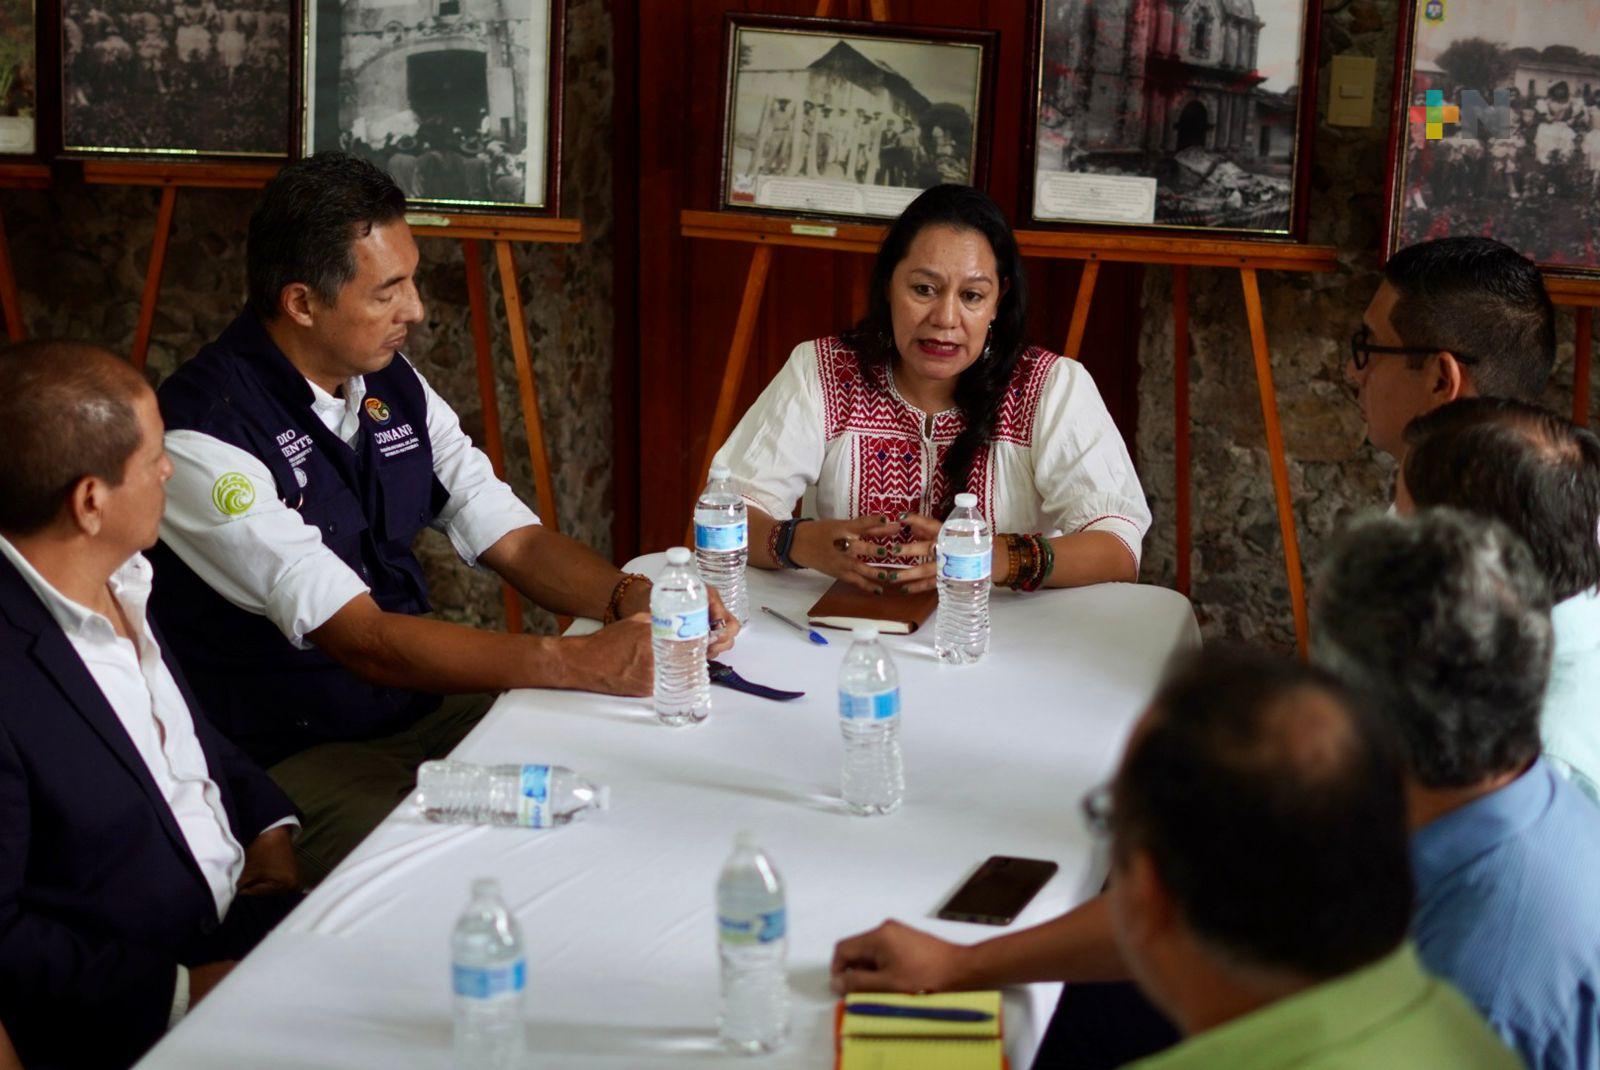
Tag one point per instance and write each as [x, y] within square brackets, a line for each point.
[888, 460]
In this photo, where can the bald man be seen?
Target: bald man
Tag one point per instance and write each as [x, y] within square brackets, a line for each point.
[141, 853]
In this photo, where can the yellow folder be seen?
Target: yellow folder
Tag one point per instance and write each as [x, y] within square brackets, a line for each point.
[870, 1042]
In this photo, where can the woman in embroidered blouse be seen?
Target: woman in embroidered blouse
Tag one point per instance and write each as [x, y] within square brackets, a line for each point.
[933, 393]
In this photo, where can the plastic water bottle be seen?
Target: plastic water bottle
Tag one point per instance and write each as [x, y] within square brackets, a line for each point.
[965, 549]
[874, 779]
[722, 541]
[752, 934]
[534, 796]
[680, 627]
[490, 976]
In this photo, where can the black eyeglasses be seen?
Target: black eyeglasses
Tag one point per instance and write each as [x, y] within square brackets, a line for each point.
[1096, 808]
[1361, 350]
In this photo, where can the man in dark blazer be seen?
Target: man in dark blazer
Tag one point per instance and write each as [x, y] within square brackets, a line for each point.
[141, 853]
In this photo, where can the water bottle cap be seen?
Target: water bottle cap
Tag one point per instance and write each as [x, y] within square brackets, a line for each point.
[678, 555]
[863, 635]
[745, 840]
[719, 471]
[602, 797]
[486, 888]
[966, 501]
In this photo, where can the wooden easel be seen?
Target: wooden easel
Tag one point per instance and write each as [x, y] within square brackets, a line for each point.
[1181, 254]
[15, 176]
[1583, 296]
[470, 230]
[1247, 257]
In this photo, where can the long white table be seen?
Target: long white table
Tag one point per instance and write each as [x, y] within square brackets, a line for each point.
[616, 908]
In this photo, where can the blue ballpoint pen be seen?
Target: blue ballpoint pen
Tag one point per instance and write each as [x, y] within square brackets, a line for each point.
[938, 1014]
[811, 633]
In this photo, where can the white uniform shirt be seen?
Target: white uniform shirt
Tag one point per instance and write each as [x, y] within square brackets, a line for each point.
[268, 560]
[140, 690]
[1055, 461]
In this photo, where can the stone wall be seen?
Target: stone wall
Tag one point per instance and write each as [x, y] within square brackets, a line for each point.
[1239, 588]
[81, 251]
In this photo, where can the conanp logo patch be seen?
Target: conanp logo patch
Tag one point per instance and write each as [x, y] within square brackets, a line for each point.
[377, 410]
[233, 494]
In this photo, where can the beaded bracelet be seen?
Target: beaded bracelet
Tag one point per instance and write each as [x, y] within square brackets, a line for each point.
[614, 605]
[1010, 576]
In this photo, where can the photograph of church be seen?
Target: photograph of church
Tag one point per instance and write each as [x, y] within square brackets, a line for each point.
[1168, 112]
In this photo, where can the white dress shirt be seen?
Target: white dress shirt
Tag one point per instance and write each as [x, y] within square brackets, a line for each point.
[268, 560]
[139, 688]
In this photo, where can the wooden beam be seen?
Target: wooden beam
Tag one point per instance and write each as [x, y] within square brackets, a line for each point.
[545, 230]
[1080, 309]
[1182, 476]
[527, 387]
[1276, 457]
[10, 302]
[488, 396]
[755, 285]
[152, 277]
[1582, 345]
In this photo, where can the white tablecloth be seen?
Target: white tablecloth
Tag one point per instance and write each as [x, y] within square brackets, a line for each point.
[616, 908]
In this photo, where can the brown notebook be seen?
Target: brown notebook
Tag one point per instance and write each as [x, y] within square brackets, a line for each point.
[892, 613]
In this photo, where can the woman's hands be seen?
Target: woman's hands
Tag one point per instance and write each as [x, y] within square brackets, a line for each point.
[839, 548]
[918, 534]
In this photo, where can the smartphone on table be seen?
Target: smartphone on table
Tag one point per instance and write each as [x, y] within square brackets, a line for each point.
[999, 890]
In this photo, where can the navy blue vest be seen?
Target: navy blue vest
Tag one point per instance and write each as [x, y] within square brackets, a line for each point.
[368, 502]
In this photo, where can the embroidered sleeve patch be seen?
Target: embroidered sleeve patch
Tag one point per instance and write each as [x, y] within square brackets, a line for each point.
[233, 494]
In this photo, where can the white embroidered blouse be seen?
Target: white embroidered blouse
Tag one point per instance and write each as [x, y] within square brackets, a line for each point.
[1054, 462]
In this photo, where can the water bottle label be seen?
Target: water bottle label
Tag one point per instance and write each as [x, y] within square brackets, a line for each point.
[489, 982]
[761, 929]
[533, 803]
[879, 707]
[722, 536]
[965, 566]
[690, 625]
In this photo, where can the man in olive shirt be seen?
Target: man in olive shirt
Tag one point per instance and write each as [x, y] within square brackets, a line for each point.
[1261, 888]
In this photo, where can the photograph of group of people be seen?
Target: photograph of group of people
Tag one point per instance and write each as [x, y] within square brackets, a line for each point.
[1523, 161]
[439, 162]
[855, 125]
[193, 76]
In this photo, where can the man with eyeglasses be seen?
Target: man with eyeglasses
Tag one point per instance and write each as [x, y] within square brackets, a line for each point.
[1441, 625]
[1260, 892]
[1452, 318]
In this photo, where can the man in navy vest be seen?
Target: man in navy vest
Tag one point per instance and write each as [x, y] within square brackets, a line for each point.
[308, 454]
[141, 853]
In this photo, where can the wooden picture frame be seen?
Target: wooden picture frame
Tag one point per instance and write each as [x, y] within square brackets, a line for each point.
[460, 154]
[781, 125]
[176, 82]
[1196, 144]
[1506, 158]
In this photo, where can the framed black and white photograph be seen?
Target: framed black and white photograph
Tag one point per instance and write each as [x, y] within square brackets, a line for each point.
[1496, 129]
[1191, 114]
[459, 100]
[826, 117]
[176, 77]
[19, 78]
